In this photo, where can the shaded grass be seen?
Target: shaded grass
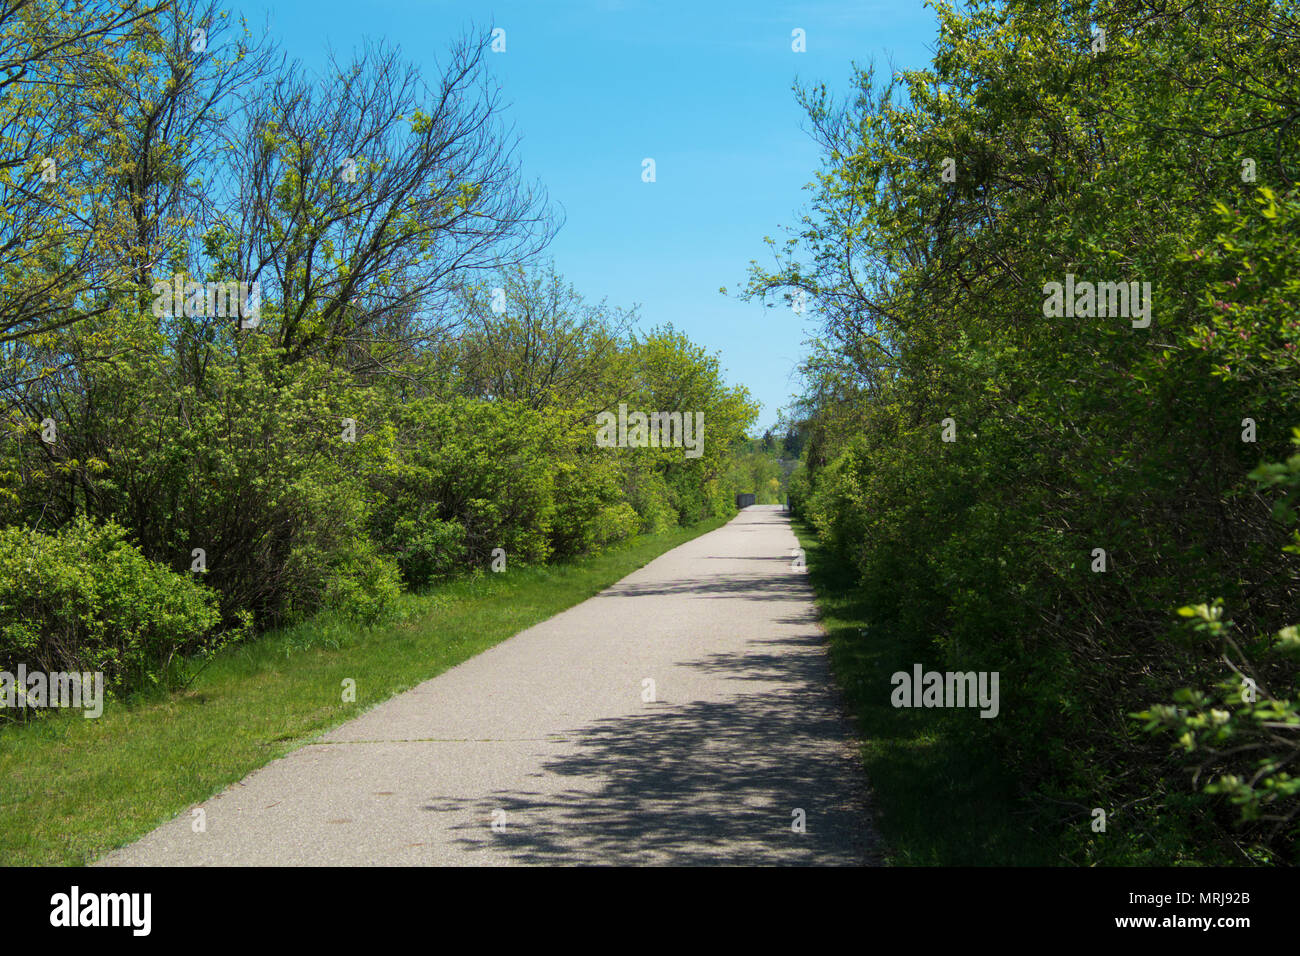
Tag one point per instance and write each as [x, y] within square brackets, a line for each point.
[940, 796]
[72, 789]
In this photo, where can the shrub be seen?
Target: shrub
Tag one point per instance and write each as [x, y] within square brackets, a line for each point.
[485, 467]
[647, 493]
[1245, 736]
[591, 507]
[84, 599]
[426, 546]
[362, 585]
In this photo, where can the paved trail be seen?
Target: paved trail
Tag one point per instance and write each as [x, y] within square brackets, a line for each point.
[550, 727]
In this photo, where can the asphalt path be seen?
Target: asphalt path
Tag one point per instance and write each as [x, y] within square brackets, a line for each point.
[685, 715]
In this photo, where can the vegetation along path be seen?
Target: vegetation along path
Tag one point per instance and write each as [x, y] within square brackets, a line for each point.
[684, 715]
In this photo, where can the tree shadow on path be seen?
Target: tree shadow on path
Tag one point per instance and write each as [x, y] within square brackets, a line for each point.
[702, 782]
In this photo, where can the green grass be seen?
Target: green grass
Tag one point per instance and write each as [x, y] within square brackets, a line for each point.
[940, 796]
[71, 789]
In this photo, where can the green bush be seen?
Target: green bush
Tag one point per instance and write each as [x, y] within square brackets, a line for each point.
[478, 476]
[362, 585]
[84, 599]
[591, 512]
[425, 546]
[1245, 735]
[647, 492]
[246, 461]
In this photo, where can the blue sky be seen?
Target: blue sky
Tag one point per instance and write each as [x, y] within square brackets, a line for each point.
[595, 86]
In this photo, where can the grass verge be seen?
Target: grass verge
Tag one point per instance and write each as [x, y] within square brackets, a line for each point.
[71, 789]
[940, 795]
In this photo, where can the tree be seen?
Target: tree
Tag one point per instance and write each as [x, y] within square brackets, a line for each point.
[370, 198]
